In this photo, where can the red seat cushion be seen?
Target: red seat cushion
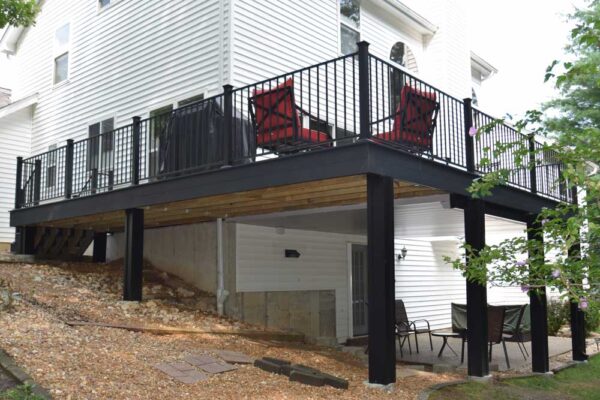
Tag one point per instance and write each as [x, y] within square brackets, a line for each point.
[285, 136]
[414, 118]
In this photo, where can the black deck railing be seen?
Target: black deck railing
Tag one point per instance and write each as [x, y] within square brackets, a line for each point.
[334, 103]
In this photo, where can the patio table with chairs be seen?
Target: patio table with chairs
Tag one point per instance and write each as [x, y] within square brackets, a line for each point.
[506, 323]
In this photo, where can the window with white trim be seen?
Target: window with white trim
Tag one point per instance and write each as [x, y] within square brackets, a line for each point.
[103, 3]
[349, 26]
[62, 42]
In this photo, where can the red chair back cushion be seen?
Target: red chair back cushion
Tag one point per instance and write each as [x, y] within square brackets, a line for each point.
[415, 116]
[275, 108]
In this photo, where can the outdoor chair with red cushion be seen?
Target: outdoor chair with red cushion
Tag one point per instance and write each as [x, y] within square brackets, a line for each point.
[414, 120]
[276, 118]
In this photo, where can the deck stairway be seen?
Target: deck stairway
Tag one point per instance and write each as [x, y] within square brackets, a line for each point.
[61, 243]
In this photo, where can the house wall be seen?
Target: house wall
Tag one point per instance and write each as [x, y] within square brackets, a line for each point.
[322, 266]
[187, 251]
[15, 140]
[125, 60]
[270, 40]
[425, 283]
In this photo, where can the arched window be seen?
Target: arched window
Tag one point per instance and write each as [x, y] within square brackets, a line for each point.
[400, 54]
[403, 55]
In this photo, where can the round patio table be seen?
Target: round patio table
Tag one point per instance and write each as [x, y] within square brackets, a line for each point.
[445, 336]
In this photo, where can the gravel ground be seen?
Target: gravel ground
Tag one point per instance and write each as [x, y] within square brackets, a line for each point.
[104, 363]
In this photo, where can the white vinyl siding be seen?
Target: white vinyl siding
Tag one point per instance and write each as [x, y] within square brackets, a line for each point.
[425, 283]
[132, 59]
[323, 264]
[270, 38]
[15, 140]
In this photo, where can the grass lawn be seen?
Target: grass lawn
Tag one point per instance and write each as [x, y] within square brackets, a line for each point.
[22, 392]
[579, 382]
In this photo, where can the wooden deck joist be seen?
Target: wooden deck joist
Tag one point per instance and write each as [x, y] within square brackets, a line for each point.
[314, 194]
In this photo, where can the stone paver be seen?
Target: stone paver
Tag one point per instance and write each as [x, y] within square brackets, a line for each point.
[200, 359]
[182, 366]
[169, 370]
[183, 372]
[192, 377]
[235, 357]
[217, 368]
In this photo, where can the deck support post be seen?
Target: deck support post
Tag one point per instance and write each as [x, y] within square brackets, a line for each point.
[577, 316]
[99, 252]
[380, 256]
[134, 253]
[538, 306]
[477, 318]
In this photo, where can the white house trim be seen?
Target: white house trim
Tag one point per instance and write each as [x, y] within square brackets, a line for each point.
[18, 105]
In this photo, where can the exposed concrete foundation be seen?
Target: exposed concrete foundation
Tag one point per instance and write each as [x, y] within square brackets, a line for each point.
[310, 312]
[187, 251]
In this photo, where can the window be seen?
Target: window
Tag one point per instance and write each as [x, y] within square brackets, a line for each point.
[103, 3]
[349, 26]
[100, 145]
[62, 42]
[191, 100]
[51, 168]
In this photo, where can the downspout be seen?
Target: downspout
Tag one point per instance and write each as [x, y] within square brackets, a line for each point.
[221, 292]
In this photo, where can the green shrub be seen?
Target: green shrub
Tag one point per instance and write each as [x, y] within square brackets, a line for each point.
[558, 315]
[592, 318]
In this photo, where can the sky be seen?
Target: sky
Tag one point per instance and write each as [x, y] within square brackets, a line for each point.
[520, 38]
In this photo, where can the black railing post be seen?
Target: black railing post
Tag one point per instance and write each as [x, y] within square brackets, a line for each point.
[19, 182]
[69, 169]
[364, 91]
[469, 142]
[111, 179]
[37, 181]
[532, 164]
[227, 124]
[94, 181]
[135, 151]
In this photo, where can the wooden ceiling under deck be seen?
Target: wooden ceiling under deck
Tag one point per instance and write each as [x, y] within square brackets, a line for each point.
[314, 194]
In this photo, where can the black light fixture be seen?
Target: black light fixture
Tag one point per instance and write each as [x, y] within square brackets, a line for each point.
[402, 254]
[291, 253]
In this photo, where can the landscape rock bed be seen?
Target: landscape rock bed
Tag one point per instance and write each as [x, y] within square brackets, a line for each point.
[87, 362]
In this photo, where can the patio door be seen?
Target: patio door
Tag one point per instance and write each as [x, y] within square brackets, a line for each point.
[359, 290]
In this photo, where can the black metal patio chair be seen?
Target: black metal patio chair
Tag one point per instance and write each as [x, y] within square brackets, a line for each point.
[495, 329]
[517, 333]
[417, 326]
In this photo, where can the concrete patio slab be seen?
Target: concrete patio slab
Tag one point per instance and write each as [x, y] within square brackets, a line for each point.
[449, 361]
